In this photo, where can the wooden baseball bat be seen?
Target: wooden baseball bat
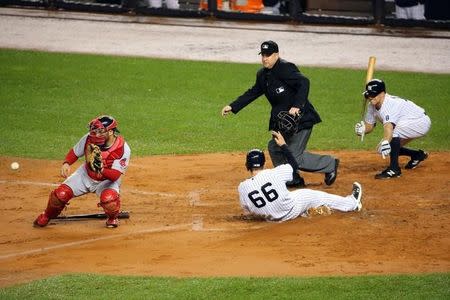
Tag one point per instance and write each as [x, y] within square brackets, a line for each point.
[122, 215]
[369, 76]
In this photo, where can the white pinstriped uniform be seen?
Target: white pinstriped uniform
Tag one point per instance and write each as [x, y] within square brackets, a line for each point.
[409, 119]
[265, 194]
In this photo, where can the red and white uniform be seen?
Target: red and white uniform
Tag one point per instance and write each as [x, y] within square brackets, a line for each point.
[410, 120]
[266, 195]
[115, 162]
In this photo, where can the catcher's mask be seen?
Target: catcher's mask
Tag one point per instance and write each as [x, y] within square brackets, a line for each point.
[99, 126]
[255, 159]
[287, 124]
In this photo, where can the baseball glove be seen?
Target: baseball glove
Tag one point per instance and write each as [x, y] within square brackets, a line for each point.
[287, 124]
[94, 158]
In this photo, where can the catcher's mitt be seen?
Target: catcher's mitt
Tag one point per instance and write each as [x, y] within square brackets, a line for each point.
[287, 124]
[94, 158]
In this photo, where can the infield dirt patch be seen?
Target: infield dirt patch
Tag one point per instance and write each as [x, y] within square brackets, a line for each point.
[186, 221]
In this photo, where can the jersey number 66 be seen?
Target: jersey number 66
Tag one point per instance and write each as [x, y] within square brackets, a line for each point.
[269, 194]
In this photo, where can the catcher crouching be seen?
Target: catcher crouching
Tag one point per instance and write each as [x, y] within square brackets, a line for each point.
[107, 157]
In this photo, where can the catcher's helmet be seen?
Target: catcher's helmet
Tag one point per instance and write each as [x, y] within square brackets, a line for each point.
[104, 121]
[374, 87]
[255, 159]
[286, 123]
[100, 125]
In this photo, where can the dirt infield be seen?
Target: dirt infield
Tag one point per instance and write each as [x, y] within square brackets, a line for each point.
[186, 221]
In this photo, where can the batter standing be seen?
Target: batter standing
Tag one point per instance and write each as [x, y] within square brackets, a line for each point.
[403, 121]
[287, 90]
[115, 154]
[265, 193]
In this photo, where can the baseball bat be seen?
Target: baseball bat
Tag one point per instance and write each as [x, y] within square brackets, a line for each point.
[369, 76]
[122, 215]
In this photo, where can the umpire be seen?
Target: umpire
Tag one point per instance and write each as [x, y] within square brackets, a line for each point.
[287, 90]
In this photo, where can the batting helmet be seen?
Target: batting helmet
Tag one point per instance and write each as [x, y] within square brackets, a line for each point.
[255, 159]
[374, 87]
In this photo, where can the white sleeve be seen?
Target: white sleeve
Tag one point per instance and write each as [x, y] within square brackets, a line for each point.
[121, 164]
[284, 172]
[370, 115]
[79, 147]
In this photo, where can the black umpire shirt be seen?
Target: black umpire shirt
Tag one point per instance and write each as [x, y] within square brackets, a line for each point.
[285, 87]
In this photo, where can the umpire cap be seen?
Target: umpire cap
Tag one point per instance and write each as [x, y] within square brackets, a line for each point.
[268, 48]
[255, 159]
[374, 87]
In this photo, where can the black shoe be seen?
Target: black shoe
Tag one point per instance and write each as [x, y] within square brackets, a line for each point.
[388, 173]
[413, 163]
[330, 178]
[297, 183]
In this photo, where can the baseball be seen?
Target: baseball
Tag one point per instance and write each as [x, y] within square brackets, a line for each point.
[15, 165]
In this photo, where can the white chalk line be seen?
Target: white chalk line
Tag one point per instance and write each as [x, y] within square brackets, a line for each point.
[82, 242]
[37, 183]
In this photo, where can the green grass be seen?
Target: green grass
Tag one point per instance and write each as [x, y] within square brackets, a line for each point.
[173, 107]
[84, 286]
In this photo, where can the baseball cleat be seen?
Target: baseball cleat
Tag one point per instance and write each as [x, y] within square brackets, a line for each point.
[330, 178]
[357, 193]
[112, 222]
[413, 163]
[388, 173]
[41, 221]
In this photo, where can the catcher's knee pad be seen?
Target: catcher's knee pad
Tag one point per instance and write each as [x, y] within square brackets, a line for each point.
[63, 193]
[57, 200]
[110, 201]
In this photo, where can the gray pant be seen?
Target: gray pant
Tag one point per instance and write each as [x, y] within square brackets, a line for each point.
[308, 162]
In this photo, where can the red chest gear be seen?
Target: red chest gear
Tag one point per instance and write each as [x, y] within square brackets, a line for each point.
[114, 152]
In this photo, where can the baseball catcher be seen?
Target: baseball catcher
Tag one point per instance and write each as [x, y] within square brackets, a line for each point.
[403, 121]
[107, 157]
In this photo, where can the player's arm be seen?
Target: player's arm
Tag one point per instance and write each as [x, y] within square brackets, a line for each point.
[279, 139]
[119, 166]
[388, 129]
[73, 155]
[246, 98]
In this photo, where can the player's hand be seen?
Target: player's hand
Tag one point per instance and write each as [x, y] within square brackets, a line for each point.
[294, 111]
[278, 138]
[226, 110]
[360, 128]
[65, 170]
[384, 148]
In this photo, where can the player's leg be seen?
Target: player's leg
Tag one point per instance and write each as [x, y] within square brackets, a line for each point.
[278, 158]
[110, 202]
[409, 131]
[73, 186]
[57, 200]
[308, 198]
[311, 162]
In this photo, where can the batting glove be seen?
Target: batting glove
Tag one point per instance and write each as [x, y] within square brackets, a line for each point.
[384, 148]
[360, 128]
